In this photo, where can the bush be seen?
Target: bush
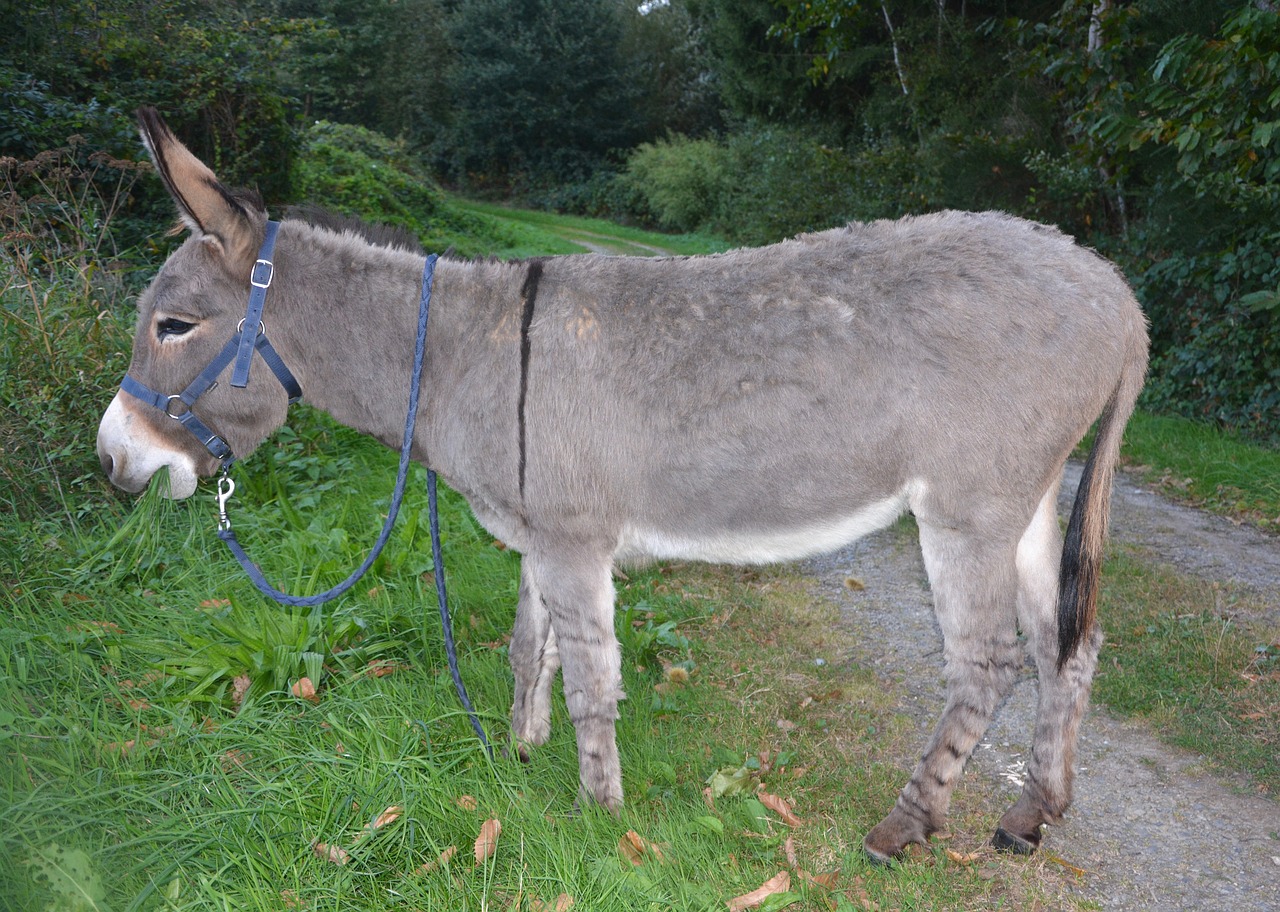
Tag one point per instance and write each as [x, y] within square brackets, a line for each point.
[680, 181]
[360, 173]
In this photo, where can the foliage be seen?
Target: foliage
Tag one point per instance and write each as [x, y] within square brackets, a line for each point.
[539, 92]
[63, 333]
[680, 180]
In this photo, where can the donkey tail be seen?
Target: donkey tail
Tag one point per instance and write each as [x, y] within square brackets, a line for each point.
[1087, 528]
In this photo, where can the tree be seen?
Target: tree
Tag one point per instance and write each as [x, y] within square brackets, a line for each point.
[540, 93]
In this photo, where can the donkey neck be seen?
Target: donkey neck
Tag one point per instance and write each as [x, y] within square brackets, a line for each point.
[343, 313]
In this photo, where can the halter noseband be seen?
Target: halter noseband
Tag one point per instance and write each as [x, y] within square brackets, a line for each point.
[250, 336]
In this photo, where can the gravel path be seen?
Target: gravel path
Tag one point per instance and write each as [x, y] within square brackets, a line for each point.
[1150, 827]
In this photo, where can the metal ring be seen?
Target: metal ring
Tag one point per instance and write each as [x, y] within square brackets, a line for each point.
[169, 402]
[262, 327]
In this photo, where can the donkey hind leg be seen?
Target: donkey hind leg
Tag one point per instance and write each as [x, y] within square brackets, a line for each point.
[535, 658]
[576, 589]
[974, 584]
[1063, 696]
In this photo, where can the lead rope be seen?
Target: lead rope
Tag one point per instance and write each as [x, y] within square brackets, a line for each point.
[226, 487]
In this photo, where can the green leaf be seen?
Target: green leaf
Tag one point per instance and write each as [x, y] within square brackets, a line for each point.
[66, 877]
[1261, 300]
[728, 782]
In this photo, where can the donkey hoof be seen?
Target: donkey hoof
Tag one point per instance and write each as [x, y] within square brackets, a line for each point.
[890, 839]
[1018, 845]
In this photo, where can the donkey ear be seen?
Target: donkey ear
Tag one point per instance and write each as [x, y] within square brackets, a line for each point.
[228, 221]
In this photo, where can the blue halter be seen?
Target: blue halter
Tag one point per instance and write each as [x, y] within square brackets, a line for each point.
[250, 336]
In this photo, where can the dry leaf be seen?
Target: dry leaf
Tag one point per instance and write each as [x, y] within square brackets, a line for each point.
[215, 603]
[390, 815]
[332, 853]
[634, 847]
[780, 807]
[966, 858]
[785, 725]
[380, 668]
[444, 858]
[561, 903]
[467, 803]
[778, 883]
[789, 849]
[304, 689]
[826, 881]
[240, 685]
[708, 799]
[487, 841]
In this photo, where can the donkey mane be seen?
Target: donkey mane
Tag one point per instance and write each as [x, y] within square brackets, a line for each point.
[392, 236]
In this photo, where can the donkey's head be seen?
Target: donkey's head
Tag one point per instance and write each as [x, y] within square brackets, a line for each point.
[185, 318]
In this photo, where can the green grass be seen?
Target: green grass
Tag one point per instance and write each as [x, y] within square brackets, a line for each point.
[1180, 654]
[538, 233]
[1207, 467]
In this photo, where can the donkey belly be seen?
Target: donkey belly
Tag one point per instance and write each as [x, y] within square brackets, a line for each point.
[759, 545]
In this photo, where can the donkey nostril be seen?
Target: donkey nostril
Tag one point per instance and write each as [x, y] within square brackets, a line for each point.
[108, 464]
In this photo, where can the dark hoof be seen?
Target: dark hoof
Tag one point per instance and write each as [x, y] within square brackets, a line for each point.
[1018, 845]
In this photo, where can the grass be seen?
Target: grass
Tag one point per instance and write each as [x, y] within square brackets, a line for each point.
[154, 754]
[1206, 467]
[1181, 654]
[539, 233]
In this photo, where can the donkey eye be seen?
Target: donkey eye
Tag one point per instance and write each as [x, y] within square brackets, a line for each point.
[173, 327]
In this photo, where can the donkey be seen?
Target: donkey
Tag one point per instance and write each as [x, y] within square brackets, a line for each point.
[754, 406]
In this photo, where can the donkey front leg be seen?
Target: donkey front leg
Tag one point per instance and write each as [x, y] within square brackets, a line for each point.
[535, 658]
[576, 589]
[975, 589]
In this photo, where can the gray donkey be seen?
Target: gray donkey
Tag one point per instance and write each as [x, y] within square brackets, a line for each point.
[755, 406]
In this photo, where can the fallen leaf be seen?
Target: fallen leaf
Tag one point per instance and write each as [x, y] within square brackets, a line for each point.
[380, 668]
[304, 689]
[390, 815]
[785, 725]
[779, 806]
[240, 685]
[728, 782]
[826, 880]
[789, 849]
[778, 883]
[291, 900]
[444, 858]
[854, 584]
[708, 799]
[635, 848]
[215, 603]
[966, 858]
[333, 853]
[467, 803]
[561, 903]
[487, 841]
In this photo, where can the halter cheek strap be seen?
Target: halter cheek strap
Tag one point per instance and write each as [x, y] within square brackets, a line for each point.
[249, 337]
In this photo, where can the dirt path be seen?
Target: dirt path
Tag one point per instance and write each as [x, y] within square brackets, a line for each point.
[1150, 827]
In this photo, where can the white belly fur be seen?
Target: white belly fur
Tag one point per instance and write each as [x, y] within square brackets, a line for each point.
[731, 546]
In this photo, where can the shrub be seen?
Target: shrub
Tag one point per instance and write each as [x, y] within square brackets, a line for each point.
[361, 173]
[680, 180]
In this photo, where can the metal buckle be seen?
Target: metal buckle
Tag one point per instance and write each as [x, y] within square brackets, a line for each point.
[271, 273]
[226, 487]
